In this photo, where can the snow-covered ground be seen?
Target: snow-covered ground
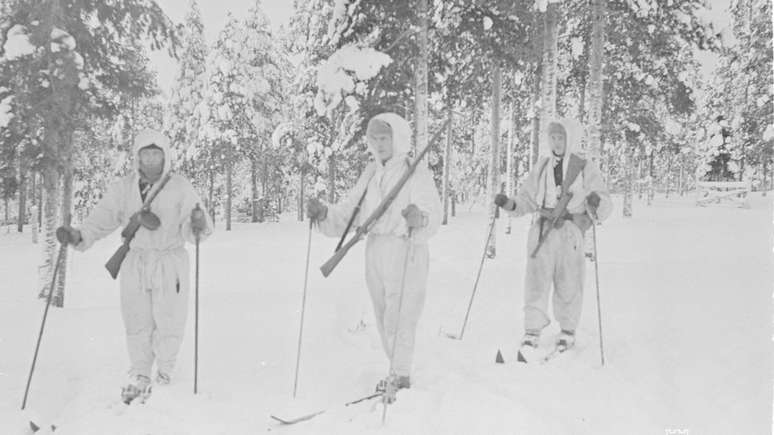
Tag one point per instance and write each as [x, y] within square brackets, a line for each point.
[686, 295]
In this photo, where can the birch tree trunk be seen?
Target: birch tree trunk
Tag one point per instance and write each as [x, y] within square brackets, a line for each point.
[549, 66]
[301, 174]
[629, 174]
[594, 86]
[447, 167]
[494, 167]
[254, 190]
[229, 169]
[211, 199]
[22, 189]
[332, 179]
[420, 78]
[509, 181]
[34, 225]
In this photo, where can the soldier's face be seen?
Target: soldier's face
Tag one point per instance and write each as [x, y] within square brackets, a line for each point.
[151, 163]
[382, 145]
[558, 142]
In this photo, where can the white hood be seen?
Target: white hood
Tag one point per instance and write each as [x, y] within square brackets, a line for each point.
[575, 135]
[401, 134]
[152, 137]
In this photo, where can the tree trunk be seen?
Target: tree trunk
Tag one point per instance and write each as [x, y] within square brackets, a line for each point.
[594, 86]
[265, 203]
[651, 189]
[332, 179]
[629, 180]
[211, 199]
[34, 218]
[34, 227]
[229, 169]
[494, 167]
[7, 229]
[549, 66]
[537, 51]
[67, 202]
[40, 204]
[447, 166]
[668, 176]
[509, 182]
[50, 221]
[22, 189]
[765, 173]
[254, 191]
[509, 161]
[420, 78]
[453, 204]
[301, 195]
[534, 148]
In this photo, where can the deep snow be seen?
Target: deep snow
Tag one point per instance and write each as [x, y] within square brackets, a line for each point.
[686, 299]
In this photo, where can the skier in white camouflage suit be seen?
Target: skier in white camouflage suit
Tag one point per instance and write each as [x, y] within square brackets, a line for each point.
[559, 261]
[416, 208]
[154, 276]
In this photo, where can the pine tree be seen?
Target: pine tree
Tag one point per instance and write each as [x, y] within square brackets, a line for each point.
[181, 121]
[244, 101]
[67, 70]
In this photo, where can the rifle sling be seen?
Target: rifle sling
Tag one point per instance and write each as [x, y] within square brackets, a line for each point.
[355, 212]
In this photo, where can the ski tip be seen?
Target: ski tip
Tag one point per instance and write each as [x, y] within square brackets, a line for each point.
[499, 358]
[35, 427]
[280, 420]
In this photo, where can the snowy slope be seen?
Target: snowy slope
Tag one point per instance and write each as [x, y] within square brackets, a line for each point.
[686, 296]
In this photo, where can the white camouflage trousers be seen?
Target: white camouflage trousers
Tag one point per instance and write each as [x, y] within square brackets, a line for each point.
[385, 258]
[154, 306]
[559, 262]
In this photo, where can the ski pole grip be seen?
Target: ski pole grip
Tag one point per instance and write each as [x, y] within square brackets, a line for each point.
[196, 215]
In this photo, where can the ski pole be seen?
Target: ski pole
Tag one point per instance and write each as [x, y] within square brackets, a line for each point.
[196, 311]
[62, 249]
[303, 309]
[390, 385]
[596, 277]
[475, 285]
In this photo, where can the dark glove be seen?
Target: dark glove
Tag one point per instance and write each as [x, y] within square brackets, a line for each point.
[502, 200]
[414, 217]
[198, 220]
[593, 201]
[316, 210]
[68, 235]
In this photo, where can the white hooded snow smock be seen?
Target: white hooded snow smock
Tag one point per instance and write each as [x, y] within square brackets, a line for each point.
[154, 277]
[387, 244]
[560, 260]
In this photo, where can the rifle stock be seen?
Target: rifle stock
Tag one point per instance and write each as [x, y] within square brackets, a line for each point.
[113, 265]
[557, 213]
[332, 262]
[131, 227]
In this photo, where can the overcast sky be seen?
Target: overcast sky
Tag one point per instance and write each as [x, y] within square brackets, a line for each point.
[279, 12]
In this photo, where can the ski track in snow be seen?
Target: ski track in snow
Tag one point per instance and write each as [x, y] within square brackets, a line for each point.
[686, 295]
